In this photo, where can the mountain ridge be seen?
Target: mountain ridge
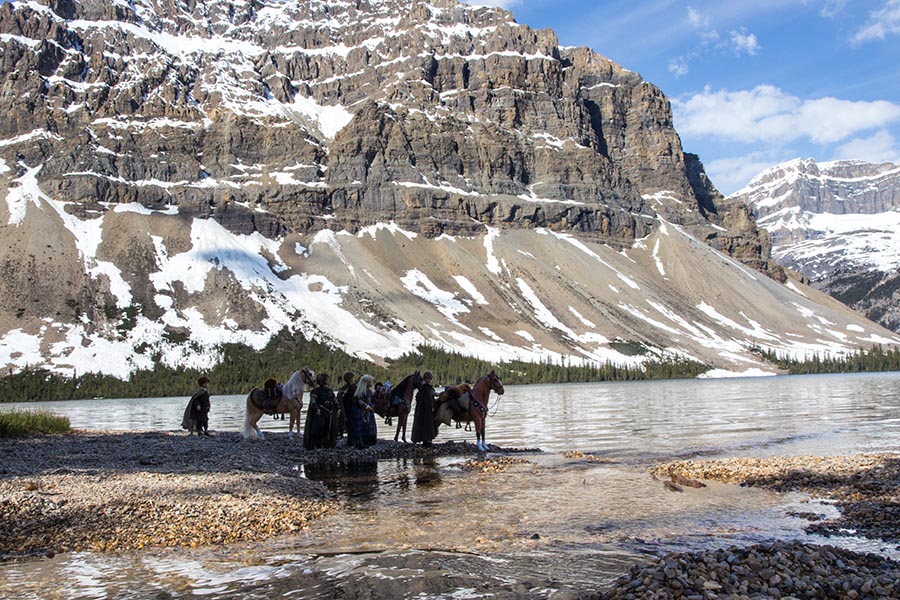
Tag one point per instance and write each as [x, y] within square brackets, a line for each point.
[837, 223]
[377, 174]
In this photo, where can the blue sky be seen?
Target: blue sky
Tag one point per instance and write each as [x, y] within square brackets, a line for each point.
[752, 83]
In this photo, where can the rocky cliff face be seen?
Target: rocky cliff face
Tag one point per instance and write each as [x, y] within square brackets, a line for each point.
[363, 112]
[136, 135]
[839, 225]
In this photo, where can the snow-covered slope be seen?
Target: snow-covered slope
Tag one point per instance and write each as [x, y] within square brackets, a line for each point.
[381, 291]
[839, 225]
[176, 175]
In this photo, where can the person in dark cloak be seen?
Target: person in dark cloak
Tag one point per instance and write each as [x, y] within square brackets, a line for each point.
[321, 427]
[345, 397]
[196, 413]
[423, 429]
[362, 429]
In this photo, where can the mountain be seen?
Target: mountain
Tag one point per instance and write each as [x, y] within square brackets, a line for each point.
[376, 174]
[838, 224]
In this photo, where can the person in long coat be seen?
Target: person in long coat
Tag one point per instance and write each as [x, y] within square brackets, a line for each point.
[362, 431]
[345, 397]
[423, 429]
[321, 427]
[196, 413]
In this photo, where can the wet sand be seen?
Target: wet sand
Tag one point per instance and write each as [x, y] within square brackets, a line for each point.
[113, 490]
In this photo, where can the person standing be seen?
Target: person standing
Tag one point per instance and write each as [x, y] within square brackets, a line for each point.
[362, 429]
[423, 429]
[345, 398]
[196, 415]
[321, 428]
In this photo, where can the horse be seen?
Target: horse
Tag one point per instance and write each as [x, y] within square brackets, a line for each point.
[290, 401]
[472, 405]
[386, 407]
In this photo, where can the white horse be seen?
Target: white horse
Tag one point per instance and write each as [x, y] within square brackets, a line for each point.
[291, 401]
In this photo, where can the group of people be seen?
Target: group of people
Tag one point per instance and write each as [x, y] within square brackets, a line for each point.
[351, 410]
[330, 414]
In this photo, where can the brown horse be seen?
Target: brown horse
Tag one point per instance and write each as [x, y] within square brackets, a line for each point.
[471, 406]
[398, 402]
[289, 401]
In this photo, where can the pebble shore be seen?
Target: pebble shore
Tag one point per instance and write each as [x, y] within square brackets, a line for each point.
[113, 490]
[779, 570]
[865, 487]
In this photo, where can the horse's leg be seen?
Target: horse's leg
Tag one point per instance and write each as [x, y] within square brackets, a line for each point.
[401, 425]
[259, 433]
[249, 428]
[478, 423]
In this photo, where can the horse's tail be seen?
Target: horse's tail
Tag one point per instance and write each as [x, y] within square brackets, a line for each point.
[248, 430]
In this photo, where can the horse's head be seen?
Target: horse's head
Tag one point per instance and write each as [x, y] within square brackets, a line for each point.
[416, 382]
[309, 377]
[496, 384]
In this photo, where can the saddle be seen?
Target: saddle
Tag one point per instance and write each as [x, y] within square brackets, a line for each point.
[461, 403]
[265, 400]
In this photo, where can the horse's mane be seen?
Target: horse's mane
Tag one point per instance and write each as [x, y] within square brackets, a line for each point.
[295, 380]
[294, 385]
[400, 388]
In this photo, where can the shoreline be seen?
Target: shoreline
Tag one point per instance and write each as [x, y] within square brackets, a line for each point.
[127, 490]
[866, 489]
[108, 491]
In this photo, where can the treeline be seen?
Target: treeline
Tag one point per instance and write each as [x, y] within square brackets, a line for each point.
[874, 359]
[243, 368]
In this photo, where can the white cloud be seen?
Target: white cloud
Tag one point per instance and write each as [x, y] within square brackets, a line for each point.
[744, 41]
[880, 147]
[767, 114]
[882, 23]
[831, 8]
[697, 19]
[678, 66]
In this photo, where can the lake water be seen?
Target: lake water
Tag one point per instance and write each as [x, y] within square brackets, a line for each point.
[554, 526]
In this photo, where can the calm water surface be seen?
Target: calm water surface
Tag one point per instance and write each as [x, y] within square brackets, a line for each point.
[427, 529]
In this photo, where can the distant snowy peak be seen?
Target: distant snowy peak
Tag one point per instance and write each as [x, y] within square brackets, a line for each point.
[837, 223]
[838, 187]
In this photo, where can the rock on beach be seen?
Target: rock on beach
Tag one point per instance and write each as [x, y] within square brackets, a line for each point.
[777, 570]
[865, 487]
[113, 490]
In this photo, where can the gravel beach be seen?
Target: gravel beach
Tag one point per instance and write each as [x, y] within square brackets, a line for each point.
[114, 490]
[865, 487]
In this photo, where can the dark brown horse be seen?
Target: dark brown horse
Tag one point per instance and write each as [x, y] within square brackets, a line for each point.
[398, 402]
[469, 406]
